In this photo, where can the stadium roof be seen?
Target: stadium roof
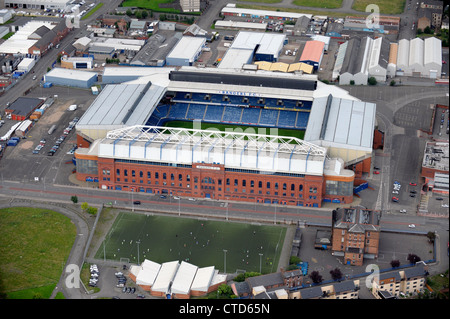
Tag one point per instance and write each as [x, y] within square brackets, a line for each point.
[122, 105]
[338, 121]
[264, 153]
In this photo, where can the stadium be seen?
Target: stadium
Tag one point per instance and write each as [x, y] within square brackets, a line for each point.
[226, 134]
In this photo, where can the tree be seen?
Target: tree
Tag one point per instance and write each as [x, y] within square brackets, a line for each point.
[427, 30]
[412, 258]
[352, 82]
[224, 290]
[74, 199]
[91, 210]
[294, 260]
[336, 274]
[138, 14]
[316, 277]
[144, 14]
[129, 12]
[372, 81]
[392, 83]
[395, 263]
[84, 206]
[431, 236]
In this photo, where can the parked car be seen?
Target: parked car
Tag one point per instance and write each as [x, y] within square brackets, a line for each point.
[137, 202]
[412, 195]
[163, 196]
[439, 198]
[412, 226]
[413, 192]
[376, 172]
[413, 184]
[403, 211]
[395, 199]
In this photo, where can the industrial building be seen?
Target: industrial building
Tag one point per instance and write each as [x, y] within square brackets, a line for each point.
[123, 142]
[249, 46]
[22, 108]
[77, 62]
[186, 51]
[359, 59]
[37, 4]
[176, 280]
[231, 10]
[312, 53]
[154, 52]
[72, 78]
[421, 58]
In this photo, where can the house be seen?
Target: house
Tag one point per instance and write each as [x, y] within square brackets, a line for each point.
[47, 38]
[355, 234]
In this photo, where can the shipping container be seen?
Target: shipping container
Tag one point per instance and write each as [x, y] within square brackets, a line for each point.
[47, 84]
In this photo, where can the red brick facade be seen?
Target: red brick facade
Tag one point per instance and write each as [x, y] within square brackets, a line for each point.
[210, 181]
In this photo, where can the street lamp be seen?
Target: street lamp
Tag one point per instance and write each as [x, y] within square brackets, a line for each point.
[225, 261]
[260, 255]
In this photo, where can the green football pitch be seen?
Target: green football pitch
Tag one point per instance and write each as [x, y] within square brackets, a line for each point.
[198, 241]
[237, 128]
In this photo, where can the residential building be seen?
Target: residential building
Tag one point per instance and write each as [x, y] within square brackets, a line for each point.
[430, 14]
[400, 282]
[355, 234]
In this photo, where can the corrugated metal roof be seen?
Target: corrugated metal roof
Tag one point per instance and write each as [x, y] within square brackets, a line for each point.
[312, 51]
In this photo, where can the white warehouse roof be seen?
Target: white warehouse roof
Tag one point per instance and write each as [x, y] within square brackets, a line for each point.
[433, 51]
[203, 279]
[146, 273]
[165, 276]
[263, 13]
[187, 48]
[183, 279]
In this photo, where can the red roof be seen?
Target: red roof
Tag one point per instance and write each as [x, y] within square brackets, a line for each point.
[312, 51]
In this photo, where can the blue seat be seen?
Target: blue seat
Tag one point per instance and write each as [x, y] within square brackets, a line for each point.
[214, 113]
[287, 119]
[196, 111]
[268, 117]
[178, 111]
[232, 114]
[250, 115]
[302, 120]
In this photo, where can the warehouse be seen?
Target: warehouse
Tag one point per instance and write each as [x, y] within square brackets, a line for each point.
[354, 66]
[392, 62]
[238, 25]
[23, 107]
[181, 286]
[418, 57]
[26, 65]
[155, 51]
[312, 53]
[73, 78]
[378, 59]
[145, 274]
[37, 4]
[262, 14]
[77, 62]
[186, 51]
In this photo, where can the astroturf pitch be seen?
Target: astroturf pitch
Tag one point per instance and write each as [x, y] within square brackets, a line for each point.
[198, 241]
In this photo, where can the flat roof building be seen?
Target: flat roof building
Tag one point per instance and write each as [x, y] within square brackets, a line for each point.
[313, 53]
[69, 77]
[186, 51]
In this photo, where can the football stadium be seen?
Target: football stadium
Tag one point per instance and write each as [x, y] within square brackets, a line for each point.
[226, 134]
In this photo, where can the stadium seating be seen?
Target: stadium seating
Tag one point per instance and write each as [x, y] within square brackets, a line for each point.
[302, 120]
[196, 111]
[232, 114]
[287, 119]
[250, 116]
[213, 113]
[178, 111]
[268, 117]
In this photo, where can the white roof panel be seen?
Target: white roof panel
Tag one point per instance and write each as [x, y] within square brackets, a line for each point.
[165, 276]
[203, 279]
[187, 48]
[183, 279]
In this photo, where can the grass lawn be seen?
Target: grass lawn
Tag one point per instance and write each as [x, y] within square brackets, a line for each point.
[239, 128]
[298, 10]
[264, 1]
[92, 11]
[386, 6]
[329, 4]
[150, 4]
[34, 246]
[197, 241]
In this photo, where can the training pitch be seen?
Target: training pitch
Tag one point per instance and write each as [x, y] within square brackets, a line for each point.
[198, 241]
